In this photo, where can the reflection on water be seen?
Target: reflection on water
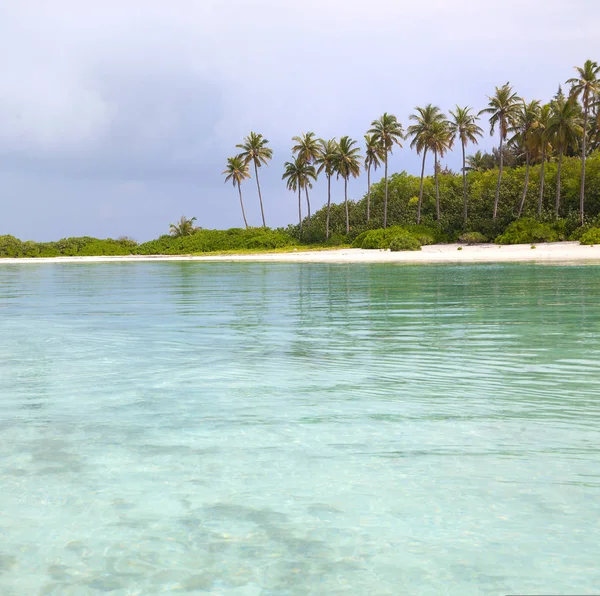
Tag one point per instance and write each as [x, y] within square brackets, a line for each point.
[286, 429]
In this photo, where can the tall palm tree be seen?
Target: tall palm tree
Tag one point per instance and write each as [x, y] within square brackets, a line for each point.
[523, 130]
[373, 158]
[347, 163]
[425, 119]
[388, 132]
[184, 227]
[298, 174]
[464, 126]
[326, 163]
[307, 148]
[586, 85]
[503, 107]
[237, 172]
[254, 149]
[542, 147]
[564, 128]
[439, 141]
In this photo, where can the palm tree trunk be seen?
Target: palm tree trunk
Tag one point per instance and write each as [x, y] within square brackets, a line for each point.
[421, 187]
[328, 206]
[242, 205]
[583, 156]
[437, 188]
[526, 184]
[307, 203]
[300, 208]
[262, 211]
[557, 205]
[386, 192]
[542, 180]
[368, 193]
[497, 198]
[346, 202]
[464, 174]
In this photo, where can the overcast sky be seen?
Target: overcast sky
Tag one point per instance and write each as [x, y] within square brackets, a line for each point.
[117, 116]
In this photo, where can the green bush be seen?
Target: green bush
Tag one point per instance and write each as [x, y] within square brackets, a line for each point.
[404, 242]
[472, 238]
[528, 231]
[380, 238]
[592, 236]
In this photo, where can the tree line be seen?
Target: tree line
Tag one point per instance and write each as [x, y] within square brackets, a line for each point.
[529, 133]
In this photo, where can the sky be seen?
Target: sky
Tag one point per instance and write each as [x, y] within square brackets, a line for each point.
[117, 116]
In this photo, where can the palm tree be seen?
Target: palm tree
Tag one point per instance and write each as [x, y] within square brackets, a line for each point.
[439, 141]
[523, 137]
[307, 149]
[542, 146]
[326, 162]
[254, 149]
[564, 128]
[387, 131]
[464, 127]
[347, 163]
[477, 162]
[184, 227]
[237, 171]
[298, 174]
[586, 85]
[503, 108]
[420, 132]
[373, 158]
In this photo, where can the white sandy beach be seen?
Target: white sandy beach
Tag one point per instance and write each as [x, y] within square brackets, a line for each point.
[558, 252]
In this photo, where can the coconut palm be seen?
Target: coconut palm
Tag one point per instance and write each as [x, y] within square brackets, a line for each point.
[184, 227]
[478, 162]
[298, 174]
[564, 128]
[373, 159]
[237, 171]
[347, 163]
[587, 86]
[503, 107]
[326, 163]
[523, 131]
[307, 149]
[464, 126]
[439, 140]
[255, 150]
[387, 131]
[542, 147]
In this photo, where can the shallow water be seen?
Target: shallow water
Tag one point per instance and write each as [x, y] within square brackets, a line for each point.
[294, 429]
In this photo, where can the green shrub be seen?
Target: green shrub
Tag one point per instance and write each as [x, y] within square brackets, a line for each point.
[472, 238]
[528, 231]
[404, 242]
[382, 238]
[592, 236]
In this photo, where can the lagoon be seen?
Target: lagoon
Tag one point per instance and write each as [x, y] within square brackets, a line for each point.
[285, 429]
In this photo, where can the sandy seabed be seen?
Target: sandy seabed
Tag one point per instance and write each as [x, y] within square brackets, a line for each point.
[555, 252]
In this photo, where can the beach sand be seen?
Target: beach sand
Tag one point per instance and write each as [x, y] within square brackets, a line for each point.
[556, 252]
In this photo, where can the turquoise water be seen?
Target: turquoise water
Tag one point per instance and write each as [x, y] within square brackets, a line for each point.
[285, 429]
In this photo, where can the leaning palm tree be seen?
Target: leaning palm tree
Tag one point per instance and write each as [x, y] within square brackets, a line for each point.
[237, 172]
[254, 149]
[564, 128]
[184, 227]
[586, 85]
[326, 163]
[420, 132]
[388, 132]
[306, 149]
[502, 108]
[373, 158]
[542, 147]
[464, 127]
[523, 131]
[298, 174]
[439, 141]
[347, 163]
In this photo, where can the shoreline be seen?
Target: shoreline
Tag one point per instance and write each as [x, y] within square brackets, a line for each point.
[553, 252]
